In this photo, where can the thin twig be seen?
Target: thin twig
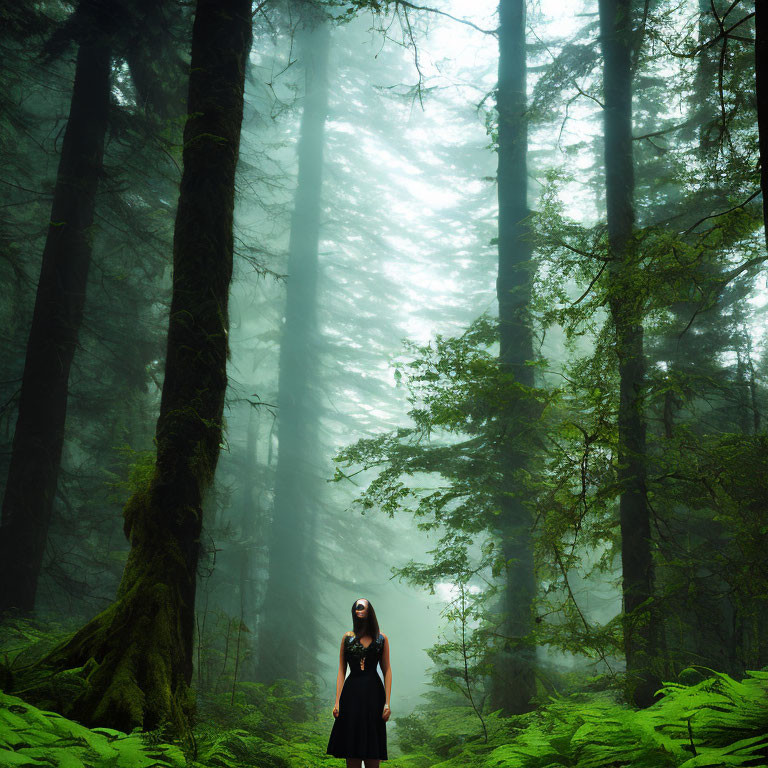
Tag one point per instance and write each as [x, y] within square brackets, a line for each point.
[664, 131]
[587, 254]
[589, 287]
[415, 58]
[259, 7]
[443, 13]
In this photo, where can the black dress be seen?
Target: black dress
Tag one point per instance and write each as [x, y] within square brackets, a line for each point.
[360, 731]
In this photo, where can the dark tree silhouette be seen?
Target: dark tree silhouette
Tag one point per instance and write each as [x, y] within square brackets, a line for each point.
[39, 433]
[761, 94]
[103, 29]
[626, 308]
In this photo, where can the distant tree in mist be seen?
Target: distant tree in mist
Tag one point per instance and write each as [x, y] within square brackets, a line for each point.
[513, 681]
[282, 650]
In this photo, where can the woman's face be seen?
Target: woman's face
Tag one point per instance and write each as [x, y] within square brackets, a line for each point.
[361, 608]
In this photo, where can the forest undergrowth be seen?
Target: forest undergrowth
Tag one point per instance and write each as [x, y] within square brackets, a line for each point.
[704, 719]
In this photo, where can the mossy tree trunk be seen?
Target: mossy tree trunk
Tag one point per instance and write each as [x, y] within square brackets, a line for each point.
[56, 320]
[292, 562]
[513, 683]
[641, 631]
[136, 656]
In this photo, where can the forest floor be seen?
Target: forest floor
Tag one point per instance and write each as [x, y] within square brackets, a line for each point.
[716, 721]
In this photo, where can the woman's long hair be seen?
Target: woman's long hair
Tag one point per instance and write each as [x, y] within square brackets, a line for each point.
[368, 625]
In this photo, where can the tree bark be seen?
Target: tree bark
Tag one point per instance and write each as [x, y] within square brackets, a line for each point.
[291, 558]
[136, 656]
[57, 316]
[513, 683]
[626, 308]
[761, 97]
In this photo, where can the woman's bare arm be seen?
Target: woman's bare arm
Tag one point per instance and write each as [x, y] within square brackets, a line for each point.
[340, 676]
[386, 668]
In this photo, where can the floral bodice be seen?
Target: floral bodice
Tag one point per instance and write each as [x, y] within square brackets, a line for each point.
[361, 658]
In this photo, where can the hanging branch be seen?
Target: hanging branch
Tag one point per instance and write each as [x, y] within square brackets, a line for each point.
[722, 213]
[413, 7]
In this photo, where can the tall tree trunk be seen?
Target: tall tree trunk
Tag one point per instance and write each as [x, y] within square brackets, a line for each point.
[626, 307]
[514, 681]
[754, 398]
[56, 320]
[704, 104]
[251, 527]
[761, 96]
[291, 559]
[137, 654]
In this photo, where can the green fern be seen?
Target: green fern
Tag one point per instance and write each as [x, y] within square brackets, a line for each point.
[33, 737]
[716, 722]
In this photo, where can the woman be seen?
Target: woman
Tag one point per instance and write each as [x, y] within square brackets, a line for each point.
[361, 708]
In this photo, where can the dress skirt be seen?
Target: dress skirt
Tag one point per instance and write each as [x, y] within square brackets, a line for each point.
[360, 731]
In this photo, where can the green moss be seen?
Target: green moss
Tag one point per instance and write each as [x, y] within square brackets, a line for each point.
[125, 667]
